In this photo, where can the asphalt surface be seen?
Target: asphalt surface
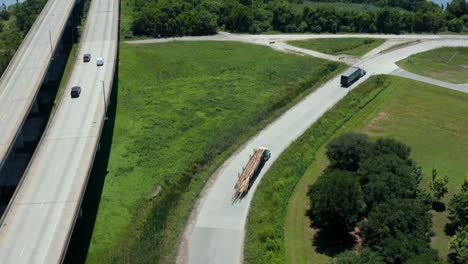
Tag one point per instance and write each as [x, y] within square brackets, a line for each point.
[41, 216]
[215, 233]
[22, 79]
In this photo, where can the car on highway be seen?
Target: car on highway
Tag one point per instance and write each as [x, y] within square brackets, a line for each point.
[75, 91]
[100, 61]
[86, 57]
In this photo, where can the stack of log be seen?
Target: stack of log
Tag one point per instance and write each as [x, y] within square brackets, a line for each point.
[244, 179]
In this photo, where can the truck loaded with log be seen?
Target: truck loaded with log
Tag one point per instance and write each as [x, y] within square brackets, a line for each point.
[250, 171]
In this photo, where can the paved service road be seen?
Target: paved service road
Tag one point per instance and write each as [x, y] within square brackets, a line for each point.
[22, 79]
[42, 213]
[215, 233]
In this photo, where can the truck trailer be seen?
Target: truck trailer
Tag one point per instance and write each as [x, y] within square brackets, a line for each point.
[351, 75]
[249, 172]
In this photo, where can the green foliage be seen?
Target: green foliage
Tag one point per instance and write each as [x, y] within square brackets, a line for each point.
[439, 185]
[464, 187]
[455, 25]
[347, 151]
[458, 211]
[183, 108]
[426, 256]
[12, 35]
[337, 201]
[458, 247]
[457, 8]
[4, 14]
[26, 13]
[394, 219]
[389, 146]
[425, 197]
[161, 18]
[173, 17]
[264, 235]
[396, 224]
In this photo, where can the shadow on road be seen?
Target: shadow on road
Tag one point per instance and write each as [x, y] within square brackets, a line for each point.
[82, 233]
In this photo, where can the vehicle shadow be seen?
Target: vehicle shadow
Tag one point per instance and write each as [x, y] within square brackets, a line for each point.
[82, 233]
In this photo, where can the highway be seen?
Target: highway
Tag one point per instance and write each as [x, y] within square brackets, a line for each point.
[42, 213]
[23, 77]
[215, 232]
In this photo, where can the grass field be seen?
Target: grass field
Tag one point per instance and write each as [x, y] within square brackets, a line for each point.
[445, 64]
[432, 120]
[182, 108]
[337, 46]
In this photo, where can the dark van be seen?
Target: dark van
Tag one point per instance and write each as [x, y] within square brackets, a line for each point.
[75, 91]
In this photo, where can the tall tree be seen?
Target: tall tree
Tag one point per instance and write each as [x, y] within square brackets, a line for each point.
[458, 247]
[458, 211]
[337, 201]
[348, 150]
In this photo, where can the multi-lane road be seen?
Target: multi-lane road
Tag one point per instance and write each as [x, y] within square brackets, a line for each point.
[42, 213]
[22, 79]
[215, 233]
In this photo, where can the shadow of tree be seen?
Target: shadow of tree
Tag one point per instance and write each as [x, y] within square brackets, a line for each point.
[438, 206]
[332, 243]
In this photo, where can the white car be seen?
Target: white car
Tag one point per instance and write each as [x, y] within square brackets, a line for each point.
[100, 61]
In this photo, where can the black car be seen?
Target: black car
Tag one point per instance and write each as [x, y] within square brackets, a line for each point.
[86, 57]
[75, 91]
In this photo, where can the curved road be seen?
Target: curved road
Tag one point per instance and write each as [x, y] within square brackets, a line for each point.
[215, 233]
[42, 213]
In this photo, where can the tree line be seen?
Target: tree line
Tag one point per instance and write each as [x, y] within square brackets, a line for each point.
[164, 18]
[15, 23]
[369, 195]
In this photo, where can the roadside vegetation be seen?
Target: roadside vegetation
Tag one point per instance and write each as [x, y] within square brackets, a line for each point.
[166, 18]
[404, 110]
[15, 23]
[448, 64]
[339, 46]
[182, 109]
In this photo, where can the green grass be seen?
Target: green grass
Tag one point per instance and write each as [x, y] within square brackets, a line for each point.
[445, 64]
[182, 109]
[338, 46]
[432, 120]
